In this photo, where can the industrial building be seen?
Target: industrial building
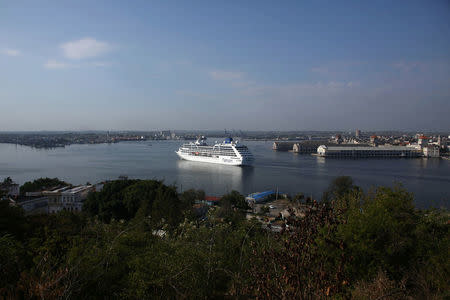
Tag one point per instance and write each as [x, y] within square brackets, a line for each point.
[66, 198]
[311, 146]
[369, 152]
[308, 146]
[259, 197]
[283, 146]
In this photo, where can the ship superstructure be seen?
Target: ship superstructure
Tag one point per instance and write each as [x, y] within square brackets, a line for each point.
[228, 152]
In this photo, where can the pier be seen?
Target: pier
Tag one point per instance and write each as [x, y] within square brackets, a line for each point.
[283, 146]
[369, 152]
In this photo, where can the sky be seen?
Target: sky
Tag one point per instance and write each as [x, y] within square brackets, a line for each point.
[248, 65]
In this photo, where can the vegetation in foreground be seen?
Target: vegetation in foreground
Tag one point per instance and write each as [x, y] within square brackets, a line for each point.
[140, 239]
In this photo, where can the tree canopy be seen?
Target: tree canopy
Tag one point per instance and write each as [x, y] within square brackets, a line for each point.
[136, 239]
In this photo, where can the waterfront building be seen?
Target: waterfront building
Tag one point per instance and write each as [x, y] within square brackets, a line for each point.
[311, 146]
[308, 146]
[67, 198]
[431, 151]
[369, 152]
[283, 146]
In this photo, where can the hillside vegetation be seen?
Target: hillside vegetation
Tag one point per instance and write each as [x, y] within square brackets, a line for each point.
[140, 239]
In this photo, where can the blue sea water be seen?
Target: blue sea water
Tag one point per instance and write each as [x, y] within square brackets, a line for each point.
[427, 179]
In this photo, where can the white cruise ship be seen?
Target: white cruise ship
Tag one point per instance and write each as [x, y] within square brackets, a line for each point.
[226, 153]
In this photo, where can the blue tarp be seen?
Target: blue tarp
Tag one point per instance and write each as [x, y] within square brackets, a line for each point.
[261, 195]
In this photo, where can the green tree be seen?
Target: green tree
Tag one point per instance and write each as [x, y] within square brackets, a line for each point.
[7, 181]
[109, 203]
[339, 187]
[140, 195]
[12, 220]
[189, 197]
[379, 232]
[235, 199]
[11, 264]
[167, 206]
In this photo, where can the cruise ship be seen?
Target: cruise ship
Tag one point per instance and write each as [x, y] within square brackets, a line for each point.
[228, 152]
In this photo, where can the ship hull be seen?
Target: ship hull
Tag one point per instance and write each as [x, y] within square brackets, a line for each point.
[215, 160]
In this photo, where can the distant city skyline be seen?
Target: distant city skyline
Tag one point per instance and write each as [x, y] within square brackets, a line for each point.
[259, 65]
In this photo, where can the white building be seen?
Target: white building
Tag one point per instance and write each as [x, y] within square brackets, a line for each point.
[69, 199]
[431, 151]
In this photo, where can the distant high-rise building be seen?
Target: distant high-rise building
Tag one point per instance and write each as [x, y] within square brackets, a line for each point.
[357, 133]
[164, 133]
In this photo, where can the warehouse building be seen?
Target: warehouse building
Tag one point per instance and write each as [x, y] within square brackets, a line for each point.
[369, 152]
[67, 198]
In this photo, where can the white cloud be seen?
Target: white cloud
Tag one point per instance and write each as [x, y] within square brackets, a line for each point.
[320, 70]
[226, 75]
[56, 64]
[84, 48]
[335, 84]
[53, 64]
[101, 64]
[406, 66]
[10, 52]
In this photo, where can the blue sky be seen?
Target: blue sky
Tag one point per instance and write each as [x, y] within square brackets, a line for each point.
[250, 65]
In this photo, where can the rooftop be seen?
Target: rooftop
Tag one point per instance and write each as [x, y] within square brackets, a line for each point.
[78, 189]
[68, 190]
[260, 195]
[379, 148]
[57, 190]
[212, 198]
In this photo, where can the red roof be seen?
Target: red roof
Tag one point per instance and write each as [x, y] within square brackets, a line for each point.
[211, 198]
[423, 137]
[373, 136]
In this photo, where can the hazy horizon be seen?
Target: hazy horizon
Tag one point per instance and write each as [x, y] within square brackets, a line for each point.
[222, 131]
[254, 66]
